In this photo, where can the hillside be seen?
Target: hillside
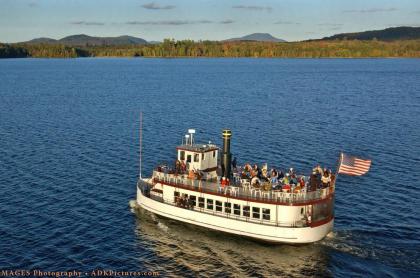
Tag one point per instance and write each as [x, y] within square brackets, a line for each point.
[85, 40]
[389, 34]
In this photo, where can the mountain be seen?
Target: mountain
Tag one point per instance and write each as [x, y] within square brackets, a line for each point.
[42, 40]
[388, 34]
[83, 40]
[260, 37]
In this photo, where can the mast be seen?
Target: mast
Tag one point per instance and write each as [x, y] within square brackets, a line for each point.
[140, 142]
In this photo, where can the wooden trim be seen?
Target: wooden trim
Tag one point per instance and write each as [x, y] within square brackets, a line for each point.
[248, 199]
[322, 222]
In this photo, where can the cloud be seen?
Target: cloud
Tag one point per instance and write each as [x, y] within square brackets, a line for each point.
[373, 10]
[154, 6]
[286, 23]
[253, 8]
[87, 23]
[227, 21]
[169, 22]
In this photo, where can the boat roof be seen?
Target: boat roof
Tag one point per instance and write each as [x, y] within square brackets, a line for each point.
[201, 148]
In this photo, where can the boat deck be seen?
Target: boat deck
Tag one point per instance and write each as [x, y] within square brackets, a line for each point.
[242, 189]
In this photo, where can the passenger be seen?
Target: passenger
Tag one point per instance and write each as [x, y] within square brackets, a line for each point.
[274, 177]
[255, 181]
[191, 174]
[234, 163]
[302, 181]
[325, 180]
[223, 182]
[227, 182]
[286, 179]
[319, 169]
[257, 171]
[293, 179]
[286, 188]
[281, 175]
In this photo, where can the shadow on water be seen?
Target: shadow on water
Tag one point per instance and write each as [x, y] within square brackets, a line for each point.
[182, 249]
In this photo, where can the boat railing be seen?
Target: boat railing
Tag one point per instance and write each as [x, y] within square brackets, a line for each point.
[243, 192]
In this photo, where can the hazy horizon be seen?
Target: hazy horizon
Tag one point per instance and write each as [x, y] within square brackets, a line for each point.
[291, 20]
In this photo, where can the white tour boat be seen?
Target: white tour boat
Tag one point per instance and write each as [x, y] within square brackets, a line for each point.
[194, 193]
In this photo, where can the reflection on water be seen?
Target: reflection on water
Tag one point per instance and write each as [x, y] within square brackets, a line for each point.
[184, 249]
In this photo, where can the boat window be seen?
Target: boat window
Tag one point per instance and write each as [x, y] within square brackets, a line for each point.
[193, 200]
[176, 193]
[196, 157]
[266, 214]
[218, 206]
[209, 204]
[189, 158]
[202, 156]
[255, 212]
[245, 211]
[237, 209]
[214, 153]
[200, 202]
[301, 211]
[182, 155]
[228, 207]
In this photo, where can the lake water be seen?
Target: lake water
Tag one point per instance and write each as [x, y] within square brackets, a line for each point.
[69, 160]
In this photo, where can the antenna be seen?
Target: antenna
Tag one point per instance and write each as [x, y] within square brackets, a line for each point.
[140, 145]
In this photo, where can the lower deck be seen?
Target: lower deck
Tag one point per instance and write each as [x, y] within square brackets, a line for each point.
[260, 221]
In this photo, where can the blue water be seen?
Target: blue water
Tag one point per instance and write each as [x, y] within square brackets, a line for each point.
[69, 160]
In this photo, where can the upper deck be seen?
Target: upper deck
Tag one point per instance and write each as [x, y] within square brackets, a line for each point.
[242, 190]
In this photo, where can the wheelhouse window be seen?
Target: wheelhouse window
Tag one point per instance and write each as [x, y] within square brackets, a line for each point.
[237, 209]
[266, 214]
[210, 204]
[182, 155]
[202, 156]
[214, 153]
[200, 202]
[189, 158]
[176, 194]
[246, 211]
[193, 200]
[218, 206]
[228, 207]
[196, 157]
[256, 212]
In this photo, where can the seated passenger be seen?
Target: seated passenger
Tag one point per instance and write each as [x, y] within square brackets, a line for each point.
[281, 175]
[293, 179]
[286, 179]
[255, 181]
[286, 188]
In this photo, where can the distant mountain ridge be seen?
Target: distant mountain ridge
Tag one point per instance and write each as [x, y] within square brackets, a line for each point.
[388, 34]
[260, 37]
[84, 40]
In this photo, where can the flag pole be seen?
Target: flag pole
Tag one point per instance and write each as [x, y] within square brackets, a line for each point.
[140, 142]
[338, 167]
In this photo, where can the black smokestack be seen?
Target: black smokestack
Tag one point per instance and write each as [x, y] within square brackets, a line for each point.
[226, 158]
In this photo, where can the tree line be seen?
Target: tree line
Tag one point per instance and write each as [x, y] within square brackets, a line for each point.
[189, 48]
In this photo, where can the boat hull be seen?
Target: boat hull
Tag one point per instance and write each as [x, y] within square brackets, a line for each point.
[268, 233]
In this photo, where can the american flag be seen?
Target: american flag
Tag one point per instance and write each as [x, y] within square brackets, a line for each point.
[353, 166]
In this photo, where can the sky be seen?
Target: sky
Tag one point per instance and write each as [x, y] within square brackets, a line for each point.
[292, 20]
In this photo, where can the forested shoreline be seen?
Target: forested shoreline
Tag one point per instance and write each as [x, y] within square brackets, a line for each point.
[188, 48]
